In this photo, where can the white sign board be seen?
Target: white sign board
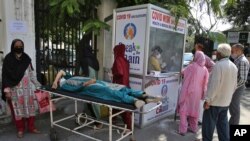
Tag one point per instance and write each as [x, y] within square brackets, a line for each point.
[131, 30]
[163, 87]
[135, 83]
[233, 37]
[167, 22]
[18, 27]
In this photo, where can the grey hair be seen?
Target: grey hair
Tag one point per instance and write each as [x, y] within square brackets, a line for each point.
[239, 46]
[224, 49]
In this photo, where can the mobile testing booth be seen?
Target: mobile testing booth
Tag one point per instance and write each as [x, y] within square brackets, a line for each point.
[154, 47]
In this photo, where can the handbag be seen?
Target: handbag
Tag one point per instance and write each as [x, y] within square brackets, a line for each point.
[43, 100]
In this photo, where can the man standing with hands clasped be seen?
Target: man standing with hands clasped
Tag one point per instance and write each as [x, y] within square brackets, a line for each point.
[221, 86]
[242, 64]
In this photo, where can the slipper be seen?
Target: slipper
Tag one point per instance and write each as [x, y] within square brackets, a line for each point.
[124, 132]
[190, 130]
[98, 126]
[35, 131]
[131, 139]
[20, 134]
[179, 133]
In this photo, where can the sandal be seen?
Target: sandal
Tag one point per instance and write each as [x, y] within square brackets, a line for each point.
[20, 134]
[98, 126]
[35, 131]
[192, 131]
[179, 133]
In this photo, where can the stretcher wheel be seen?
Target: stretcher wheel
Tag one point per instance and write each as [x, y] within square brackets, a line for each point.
[81, 118]
[53, 135]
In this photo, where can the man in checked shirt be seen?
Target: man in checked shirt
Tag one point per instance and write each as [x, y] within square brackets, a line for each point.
[243, 66]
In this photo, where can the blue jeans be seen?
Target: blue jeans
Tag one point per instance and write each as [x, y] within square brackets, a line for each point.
[215, 116]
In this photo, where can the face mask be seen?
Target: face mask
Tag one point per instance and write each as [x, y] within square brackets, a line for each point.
[18, 50]
[213, 57]
[158, 56]
[234, 56]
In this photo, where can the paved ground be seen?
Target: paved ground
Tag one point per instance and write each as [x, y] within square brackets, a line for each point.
[163, 130]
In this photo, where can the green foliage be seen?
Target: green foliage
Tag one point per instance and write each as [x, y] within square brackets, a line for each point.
[238, 12]
[70, 15]
[215, 6]
[215, 10]
[189, 45]
[230, 3]
[73, 10]
[82, 13]
[217, 37]
[178, 9]
[94, 25]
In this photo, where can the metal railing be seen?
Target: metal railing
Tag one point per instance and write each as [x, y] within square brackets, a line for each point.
[57, 45]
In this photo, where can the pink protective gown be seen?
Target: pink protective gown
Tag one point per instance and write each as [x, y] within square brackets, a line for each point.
[194, 86]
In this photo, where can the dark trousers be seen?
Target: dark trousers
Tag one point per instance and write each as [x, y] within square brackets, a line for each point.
[215, 117]
[234, 107]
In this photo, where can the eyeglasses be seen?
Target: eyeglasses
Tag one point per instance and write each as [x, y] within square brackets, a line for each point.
[18, 46]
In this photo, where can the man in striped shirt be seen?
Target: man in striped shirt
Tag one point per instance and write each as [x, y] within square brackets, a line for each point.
[243, 66]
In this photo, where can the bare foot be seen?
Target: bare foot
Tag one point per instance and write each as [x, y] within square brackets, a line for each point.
[35, 131]
[20, 134]
[139, 103]
[153, 99]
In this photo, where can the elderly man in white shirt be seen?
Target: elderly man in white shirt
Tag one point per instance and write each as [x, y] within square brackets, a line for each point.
[221, 86]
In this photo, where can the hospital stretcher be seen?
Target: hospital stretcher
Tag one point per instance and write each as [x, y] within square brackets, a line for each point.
[122, 107]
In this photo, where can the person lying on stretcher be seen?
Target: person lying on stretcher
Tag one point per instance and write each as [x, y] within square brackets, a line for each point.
[102, 89]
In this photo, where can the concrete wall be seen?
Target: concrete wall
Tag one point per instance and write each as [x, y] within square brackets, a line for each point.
[104, 10]
[2, 25]
[18, 22]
